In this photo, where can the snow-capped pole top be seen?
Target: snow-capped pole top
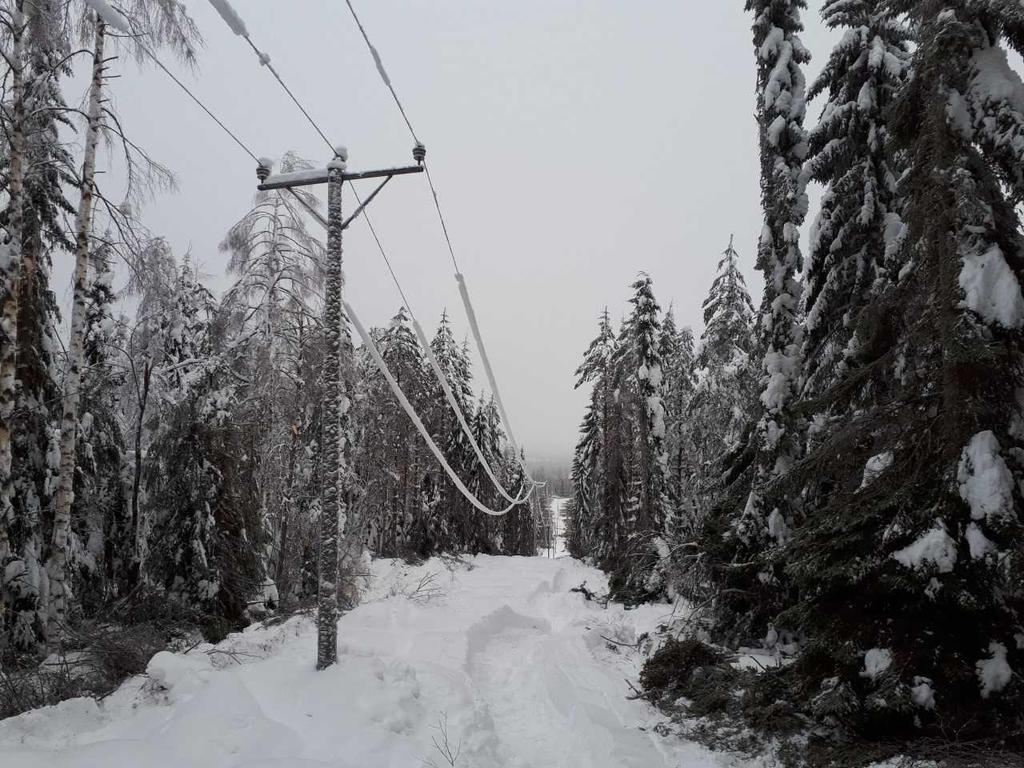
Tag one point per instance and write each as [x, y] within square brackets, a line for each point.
[340, 160]
[230, 16]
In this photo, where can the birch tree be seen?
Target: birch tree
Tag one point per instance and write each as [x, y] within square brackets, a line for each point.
[57, 565]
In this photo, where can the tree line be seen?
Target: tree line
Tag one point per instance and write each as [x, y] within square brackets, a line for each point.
[841, 472]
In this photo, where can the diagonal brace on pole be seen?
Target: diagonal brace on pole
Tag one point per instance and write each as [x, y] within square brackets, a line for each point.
[365, 202]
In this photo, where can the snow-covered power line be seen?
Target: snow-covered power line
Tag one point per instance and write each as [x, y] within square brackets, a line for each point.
[439, 374]
[460, 278]
[380, 68]
[234, 137]
[528, 487]
[237, 25]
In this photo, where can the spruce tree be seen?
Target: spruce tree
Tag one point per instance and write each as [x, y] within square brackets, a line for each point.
[44, 203]
[914, 552]
[584, 533]
[99, 513]
[677, 353]
[857, 232]
[723, 395]
[602, 452]
[207, 535]
[781, 107]
[453, 512]
[644, 431]
[751, 518]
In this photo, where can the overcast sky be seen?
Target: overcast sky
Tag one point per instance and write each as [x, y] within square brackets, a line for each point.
[574, 143]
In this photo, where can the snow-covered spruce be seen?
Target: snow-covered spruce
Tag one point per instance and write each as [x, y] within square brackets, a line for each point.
[912, 530]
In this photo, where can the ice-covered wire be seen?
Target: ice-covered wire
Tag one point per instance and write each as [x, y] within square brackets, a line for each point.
[237, 25]
[418, 423]
[312, 211]
[436, 368]
[412, 131]
[380, 69]
[475, 328]
[447, 237]
[264, 60]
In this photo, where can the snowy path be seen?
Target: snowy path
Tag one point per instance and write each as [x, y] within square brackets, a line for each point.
[503, 653]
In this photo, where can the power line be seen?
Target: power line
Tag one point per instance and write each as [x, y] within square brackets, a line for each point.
[380, 69]
[398, 102]
[440, 376]
[312, 211]
[264, 60]
[440, 216]
[195, 98]
[383, 254]
[463, 290]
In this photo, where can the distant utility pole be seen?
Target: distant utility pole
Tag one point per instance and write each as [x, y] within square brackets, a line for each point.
[338, 486]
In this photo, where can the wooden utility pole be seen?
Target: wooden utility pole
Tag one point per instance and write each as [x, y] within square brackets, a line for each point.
[338, 486]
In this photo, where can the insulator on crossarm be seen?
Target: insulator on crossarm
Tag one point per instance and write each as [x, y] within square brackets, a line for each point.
[419, 152]
[263, 166]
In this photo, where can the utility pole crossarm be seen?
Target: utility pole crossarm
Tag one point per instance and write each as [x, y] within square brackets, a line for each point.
[320, 176]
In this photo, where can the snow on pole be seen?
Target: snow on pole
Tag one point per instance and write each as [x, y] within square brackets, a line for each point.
[414, 417]
[450, 397]
[464, 292]
[109, 16]
[230, 16]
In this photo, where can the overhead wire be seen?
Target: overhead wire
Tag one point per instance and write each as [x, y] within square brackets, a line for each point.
[441, 378]
[410, 411]
[188, 91]
[264, 60]
[463, 290]
[238, 27]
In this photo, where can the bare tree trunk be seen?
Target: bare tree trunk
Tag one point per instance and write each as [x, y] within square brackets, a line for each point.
[9, 278]
[73, 377]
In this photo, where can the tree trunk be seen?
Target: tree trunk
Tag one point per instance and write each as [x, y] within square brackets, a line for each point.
[73, 378]
[136, 553]
[9, 276]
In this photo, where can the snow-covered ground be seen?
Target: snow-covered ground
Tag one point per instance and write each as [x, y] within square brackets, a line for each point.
[501, 656]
